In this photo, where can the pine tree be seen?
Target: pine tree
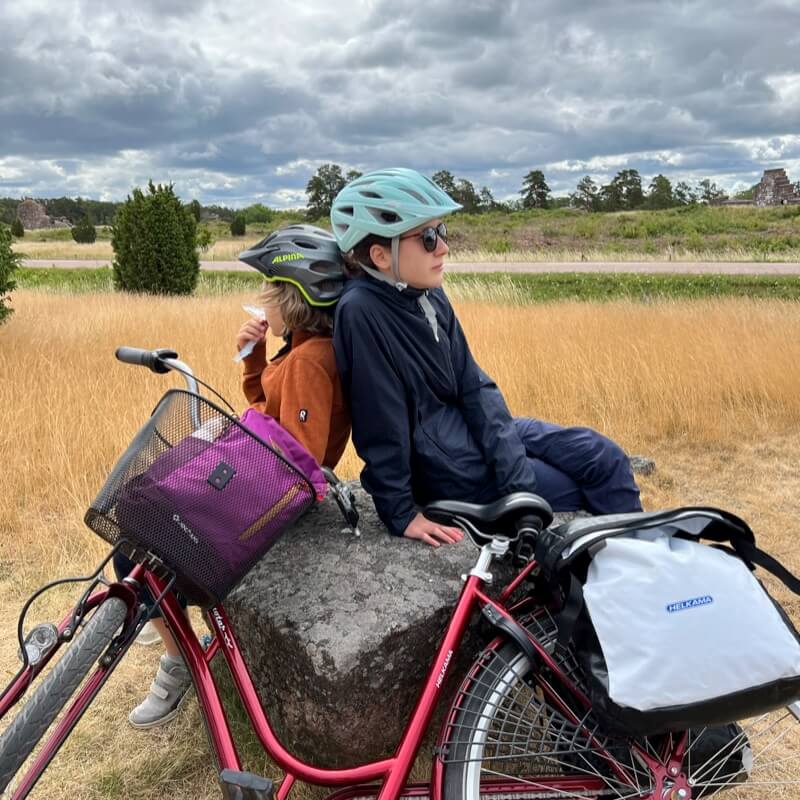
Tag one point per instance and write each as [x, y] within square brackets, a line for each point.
[84, 232]
[9, 263]
[659, 193]
[322, 189]
[153, 237]
[586, 195]
[535, 191]
[238, 226]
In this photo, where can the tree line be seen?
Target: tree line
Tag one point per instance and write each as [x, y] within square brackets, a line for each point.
[626, 191]
[101, 212]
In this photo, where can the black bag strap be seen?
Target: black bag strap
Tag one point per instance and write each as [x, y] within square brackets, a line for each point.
[567, 618]
[751, 554]
[551, 546]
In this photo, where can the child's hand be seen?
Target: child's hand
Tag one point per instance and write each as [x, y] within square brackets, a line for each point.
[253, 329]
[432, 533]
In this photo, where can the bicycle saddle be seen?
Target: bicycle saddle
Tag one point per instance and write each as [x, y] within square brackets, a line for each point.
[492, 519]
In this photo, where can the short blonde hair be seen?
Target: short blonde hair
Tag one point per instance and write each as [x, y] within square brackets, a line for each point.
[297, 314]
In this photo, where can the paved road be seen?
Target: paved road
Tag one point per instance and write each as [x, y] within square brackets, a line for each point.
[687, 267]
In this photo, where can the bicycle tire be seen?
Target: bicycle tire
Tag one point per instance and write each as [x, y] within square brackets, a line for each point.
[505, 729]
[34, 718]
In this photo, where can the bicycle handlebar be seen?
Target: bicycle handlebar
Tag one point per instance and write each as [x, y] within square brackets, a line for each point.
[154, 360]
[162, 361]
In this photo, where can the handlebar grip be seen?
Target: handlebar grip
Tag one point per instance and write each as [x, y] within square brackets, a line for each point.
[152, 359]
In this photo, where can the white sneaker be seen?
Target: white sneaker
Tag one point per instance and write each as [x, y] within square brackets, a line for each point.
[148, 634]
[167, 691]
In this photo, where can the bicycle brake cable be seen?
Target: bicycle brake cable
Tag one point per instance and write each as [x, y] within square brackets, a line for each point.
[205, 385]
[38, 593]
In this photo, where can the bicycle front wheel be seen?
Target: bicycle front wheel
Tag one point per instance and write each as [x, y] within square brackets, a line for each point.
[52, 694]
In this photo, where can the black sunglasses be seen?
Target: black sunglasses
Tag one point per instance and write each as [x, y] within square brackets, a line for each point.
[430, 236]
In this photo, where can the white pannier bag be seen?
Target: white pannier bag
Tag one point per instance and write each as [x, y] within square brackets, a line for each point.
[672, 633]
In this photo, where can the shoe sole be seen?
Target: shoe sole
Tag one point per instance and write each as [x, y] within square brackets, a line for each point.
[143, 726]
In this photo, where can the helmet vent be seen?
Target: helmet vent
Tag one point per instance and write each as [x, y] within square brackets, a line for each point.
[367, 193]
[330, 287]
[418, 197]
[326, 268]
[306, 244]
[347, 210]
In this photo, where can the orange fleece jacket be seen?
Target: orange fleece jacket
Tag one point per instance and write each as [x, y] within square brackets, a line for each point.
[302, 391]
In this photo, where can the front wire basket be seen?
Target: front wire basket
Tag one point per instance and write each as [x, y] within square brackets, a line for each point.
[199, 491]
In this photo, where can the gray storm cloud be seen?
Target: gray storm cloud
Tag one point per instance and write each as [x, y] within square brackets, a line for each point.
[219, 100]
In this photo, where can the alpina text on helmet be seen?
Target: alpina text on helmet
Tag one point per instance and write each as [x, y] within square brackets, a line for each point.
[287, 257]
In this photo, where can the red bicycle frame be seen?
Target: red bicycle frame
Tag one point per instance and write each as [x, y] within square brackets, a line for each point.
[390, 773]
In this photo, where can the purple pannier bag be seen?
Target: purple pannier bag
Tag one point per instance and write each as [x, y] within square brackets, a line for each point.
[211, 505]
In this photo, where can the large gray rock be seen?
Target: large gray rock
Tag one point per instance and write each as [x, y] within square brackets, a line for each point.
[642, 465]
[339, 631]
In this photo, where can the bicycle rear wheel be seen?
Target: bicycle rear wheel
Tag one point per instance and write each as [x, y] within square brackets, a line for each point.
[19, 739]
[516, 733]
[509, 733]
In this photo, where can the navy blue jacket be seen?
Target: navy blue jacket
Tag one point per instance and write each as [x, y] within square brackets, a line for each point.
[428, 422]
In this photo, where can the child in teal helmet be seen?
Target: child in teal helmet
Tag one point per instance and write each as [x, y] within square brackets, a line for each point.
[428, 422]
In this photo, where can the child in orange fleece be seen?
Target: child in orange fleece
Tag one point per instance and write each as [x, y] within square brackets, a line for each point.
[299, 387]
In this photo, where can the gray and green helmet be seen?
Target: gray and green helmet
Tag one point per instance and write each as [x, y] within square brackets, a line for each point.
[305, 256]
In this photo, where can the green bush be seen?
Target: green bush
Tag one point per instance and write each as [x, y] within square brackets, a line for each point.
[17, 228]
[154, 243]
[238, 226]
[204, 238]
[9, 263]
[257, 213]
[84, 232]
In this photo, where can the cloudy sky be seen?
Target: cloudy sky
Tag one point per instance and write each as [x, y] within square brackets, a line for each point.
[240, 102]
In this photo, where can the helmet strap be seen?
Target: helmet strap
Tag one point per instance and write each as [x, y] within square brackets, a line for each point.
[394, 280]
[396, 264]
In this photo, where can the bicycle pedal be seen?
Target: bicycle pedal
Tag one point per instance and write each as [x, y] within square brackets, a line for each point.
[238, 785]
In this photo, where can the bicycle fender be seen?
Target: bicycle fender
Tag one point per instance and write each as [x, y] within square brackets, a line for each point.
[514, 631]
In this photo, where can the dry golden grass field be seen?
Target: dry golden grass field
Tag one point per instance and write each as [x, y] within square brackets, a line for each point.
[710, 389]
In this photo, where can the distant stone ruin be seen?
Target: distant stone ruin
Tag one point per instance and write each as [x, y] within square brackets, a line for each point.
[34, 216]
[775, 189]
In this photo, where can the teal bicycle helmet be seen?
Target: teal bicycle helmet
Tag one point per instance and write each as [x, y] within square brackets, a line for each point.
[305, 256]
[388, 203]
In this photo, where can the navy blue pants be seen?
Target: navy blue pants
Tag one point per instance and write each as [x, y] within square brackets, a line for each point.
[578, 468]
[123, 566]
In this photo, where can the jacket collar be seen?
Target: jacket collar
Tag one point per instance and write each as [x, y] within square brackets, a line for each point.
[406, 298]
[291, 340]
